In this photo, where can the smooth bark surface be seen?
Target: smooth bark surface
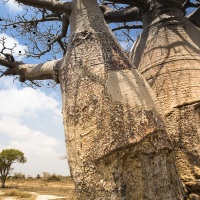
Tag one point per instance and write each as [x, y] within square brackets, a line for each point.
[168, 56]
[129, 14]
[52, 5]
[31, 72]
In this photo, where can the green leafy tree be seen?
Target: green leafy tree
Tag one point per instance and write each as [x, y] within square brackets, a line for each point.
[7, 158]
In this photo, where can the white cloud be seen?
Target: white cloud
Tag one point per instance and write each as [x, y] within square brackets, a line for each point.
[25, 101]
[10, 42]
[13, 6]
[27, 123]
[27, 140]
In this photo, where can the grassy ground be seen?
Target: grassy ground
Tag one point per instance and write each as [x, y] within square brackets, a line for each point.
[19, 188]
[14, 193]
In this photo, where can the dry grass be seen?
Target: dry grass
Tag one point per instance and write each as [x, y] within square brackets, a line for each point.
[63, 188]
[18, 194]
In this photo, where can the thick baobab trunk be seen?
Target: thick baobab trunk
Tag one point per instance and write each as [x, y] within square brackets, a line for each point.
[116, 141]
[168, 56]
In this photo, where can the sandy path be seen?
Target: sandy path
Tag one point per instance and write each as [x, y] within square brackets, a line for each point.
[47, 197]
[39, 197]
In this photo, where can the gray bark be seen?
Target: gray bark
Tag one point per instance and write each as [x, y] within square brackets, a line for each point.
[31, 72]
[126, 15]
[52, 5]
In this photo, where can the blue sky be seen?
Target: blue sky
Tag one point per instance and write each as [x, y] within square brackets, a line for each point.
[30, 119]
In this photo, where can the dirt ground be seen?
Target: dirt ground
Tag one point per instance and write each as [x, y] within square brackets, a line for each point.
[40, 189]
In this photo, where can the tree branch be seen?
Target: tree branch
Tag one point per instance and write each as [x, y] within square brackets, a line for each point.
[127, 27]
[9, 63]
[65, 25]
[129, 2]
[194, 17]
[30, 72]
[53, 5]
[33, 21]
[194, 4]
[126, 15]
[136, 3]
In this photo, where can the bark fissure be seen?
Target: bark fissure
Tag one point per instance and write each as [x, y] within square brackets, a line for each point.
[174, 40]
[110, 111]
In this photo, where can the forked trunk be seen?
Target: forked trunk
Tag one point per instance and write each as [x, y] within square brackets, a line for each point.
[116, 141]
[168, 56]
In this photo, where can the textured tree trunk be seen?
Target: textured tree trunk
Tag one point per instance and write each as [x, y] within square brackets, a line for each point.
[168, 56]
[116, 141]
[3, 181]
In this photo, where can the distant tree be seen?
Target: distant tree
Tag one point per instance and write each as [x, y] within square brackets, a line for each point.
[45, 174]
[19, 175]
[7, 158]
[38, 176]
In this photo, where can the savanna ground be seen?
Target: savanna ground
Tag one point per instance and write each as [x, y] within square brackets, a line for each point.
[38, 189]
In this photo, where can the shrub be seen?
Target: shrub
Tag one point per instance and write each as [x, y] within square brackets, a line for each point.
[18, 176]
[38, 176]
[54, 177]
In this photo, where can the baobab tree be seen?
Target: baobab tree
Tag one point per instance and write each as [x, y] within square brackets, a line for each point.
[117, 143]
[167, 54]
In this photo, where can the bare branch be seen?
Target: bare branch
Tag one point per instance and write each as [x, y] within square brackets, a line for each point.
[194, 4]
[126, 15]
[9, 63]
[29, 72]
[127, 27]
[129, 2]
[5, 48]
[53, 5]
[32, 22]
[195, 17]
[65, 25]
[185, 6]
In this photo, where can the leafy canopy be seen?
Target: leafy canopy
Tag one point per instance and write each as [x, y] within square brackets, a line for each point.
[8, 157]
